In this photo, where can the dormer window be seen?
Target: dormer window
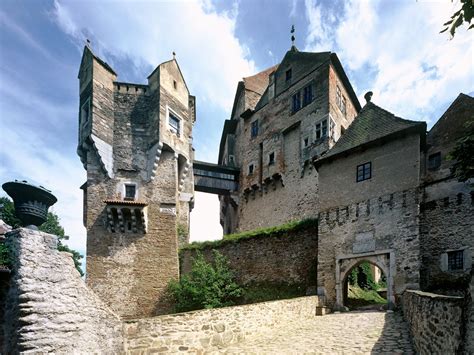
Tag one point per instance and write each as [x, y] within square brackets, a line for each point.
[130, 192]
[174, 123]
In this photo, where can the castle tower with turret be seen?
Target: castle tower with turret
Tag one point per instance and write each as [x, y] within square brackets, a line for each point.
[135, 142]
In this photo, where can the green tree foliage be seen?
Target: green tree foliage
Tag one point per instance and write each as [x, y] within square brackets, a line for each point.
[208, 285]
[464, 14]
[5, 256]
[51, 226]
[463, 154]
[362, 277]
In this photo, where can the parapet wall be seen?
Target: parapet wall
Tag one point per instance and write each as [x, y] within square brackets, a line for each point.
[212, 329]
[435, 321]
[48, 306]
[287, 257]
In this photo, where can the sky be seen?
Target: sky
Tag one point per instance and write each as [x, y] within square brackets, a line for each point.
[391, 47]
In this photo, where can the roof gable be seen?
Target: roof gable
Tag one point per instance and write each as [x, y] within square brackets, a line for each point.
[175, 62]
[87, 56]
[452, 125]
[371, 125]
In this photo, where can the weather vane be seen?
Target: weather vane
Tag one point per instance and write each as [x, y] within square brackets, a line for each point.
[292, 35]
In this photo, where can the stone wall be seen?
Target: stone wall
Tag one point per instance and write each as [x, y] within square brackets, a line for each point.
[435, 321]
[208, 330]
[288, 257]
[383, 230]
[446, 224]
[48, 306]
[469, 318]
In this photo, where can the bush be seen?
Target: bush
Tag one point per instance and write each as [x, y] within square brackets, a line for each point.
[206, 286]
[5, 256]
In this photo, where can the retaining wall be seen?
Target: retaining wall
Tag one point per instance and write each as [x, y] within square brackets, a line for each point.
[436, 321]
[286, 257]
[48, 307]
[212, 329]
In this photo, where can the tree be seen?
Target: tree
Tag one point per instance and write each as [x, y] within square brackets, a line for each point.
[464, 14]
[206, 286]
[462, 154]
[51, 226]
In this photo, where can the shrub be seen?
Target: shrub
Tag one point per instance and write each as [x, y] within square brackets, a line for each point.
[5, 256]
[206, 286]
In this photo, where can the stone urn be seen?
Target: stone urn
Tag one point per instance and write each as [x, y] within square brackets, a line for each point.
[31, 202]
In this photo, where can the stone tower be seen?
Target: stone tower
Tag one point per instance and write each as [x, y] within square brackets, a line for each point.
[135, 142]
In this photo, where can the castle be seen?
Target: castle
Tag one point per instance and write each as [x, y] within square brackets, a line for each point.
[298, 144]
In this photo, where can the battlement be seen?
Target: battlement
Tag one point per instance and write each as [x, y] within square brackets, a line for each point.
[131, 89]
[404, 200]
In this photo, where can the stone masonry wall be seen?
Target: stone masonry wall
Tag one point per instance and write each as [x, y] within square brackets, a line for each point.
[446, 224]
[281, 258]
[49, 308]
[384, 224]
[212, 329]
[435, 321]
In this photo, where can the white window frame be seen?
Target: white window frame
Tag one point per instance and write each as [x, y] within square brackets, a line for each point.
[180, 120]
[124, 190]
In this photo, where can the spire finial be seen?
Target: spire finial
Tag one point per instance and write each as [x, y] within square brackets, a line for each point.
[292, 35]
[174, 55]
[368, 96]
[88, 42]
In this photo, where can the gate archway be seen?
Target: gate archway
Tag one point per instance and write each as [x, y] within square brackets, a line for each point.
[383, 260]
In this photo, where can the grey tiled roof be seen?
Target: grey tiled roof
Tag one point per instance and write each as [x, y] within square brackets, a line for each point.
[371, 124]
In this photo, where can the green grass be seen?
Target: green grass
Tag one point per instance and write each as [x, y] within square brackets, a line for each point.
[257, 233]
[358, 297]
[261, 292]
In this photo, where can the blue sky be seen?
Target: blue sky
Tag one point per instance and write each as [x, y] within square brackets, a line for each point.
[390, 47]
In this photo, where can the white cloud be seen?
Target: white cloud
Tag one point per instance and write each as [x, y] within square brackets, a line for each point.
[211, 57]
[205, 218]
[415, 70]
[39, 164]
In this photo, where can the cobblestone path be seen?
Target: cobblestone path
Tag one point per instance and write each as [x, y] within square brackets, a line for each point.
[370, 332]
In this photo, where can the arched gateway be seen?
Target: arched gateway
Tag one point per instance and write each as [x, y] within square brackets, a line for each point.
[385, 260]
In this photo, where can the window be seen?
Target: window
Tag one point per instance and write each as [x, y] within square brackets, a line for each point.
[174, 123]
[321, 129]
[456, 260]
[130, 192]
[231, 160]
[271, 158]
[175, 84]
[307, 95]
[250, 169]
[434, 161]
[306, 142]
[85, 111]
[254, 130]
[332, 129]
[364, 172]
[296, 102]
[288, 75]
[340, 100]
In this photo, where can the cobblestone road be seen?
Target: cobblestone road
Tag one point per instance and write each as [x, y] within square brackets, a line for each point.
[370, 332]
